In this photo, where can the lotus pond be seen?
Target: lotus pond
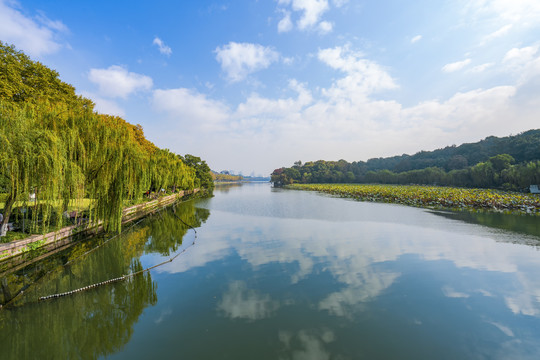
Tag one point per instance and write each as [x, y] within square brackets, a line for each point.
[433, 196]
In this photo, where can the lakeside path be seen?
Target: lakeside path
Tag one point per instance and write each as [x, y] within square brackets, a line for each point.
[433, 196]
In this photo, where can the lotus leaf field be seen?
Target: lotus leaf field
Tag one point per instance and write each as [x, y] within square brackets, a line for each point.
[433, 196]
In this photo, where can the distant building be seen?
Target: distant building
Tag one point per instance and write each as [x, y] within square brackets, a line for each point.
[534, 189]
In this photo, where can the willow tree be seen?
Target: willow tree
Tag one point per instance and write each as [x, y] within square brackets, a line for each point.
[167, 170]
[114, 168]
[35, 156]
[33, 159]
[53, 144]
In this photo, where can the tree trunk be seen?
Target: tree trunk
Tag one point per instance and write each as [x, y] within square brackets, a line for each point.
[7, 213]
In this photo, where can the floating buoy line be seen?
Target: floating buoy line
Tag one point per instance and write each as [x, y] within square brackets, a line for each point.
[123, 277]
[110, 281]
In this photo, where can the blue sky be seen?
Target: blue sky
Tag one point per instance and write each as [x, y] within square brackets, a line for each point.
[255, 85]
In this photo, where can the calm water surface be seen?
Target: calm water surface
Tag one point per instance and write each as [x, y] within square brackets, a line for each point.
[278, 274]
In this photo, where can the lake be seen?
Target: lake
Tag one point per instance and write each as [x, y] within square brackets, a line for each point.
[282, 274]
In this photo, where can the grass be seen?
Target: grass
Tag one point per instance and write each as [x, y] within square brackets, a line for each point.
[12, 236]
[433, 196]
[76, 204]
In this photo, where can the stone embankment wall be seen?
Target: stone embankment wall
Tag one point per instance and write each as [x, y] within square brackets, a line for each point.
[65, 235]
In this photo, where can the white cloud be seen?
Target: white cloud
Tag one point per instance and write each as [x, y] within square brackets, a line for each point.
[482, 67]
[191, 108]
[164, 49]
[312, 11]
[455, 66]
[363, 76]
[117, 81]
[325, 27]
[340, 3]
[525, 63]
[311, 15]
[469, 110]
[498, 33]
[238, 60]
[256, 105]
[287, 60]
[515, 11]
[105, 106]
[416, 39]
[52, 24]
[345, 115]
[36, 38]
[520, 55]
[285, 24]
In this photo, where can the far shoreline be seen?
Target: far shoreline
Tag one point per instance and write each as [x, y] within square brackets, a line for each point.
[433, 197]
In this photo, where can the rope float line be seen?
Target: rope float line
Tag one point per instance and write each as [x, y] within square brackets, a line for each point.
[21, 292]
[123, 277]
[121, 233]
[125, 231]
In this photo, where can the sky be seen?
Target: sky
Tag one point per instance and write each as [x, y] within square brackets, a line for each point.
[251, 86]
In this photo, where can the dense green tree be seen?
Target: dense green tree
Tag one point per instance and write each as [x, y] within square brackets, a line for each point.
[202, 171]
[496, 172]
[23, 80]
[501, 162]
[53, 145]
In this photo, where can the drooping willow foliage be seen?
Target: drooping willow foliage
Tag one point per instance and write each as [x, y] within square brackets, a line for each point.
[53, 145]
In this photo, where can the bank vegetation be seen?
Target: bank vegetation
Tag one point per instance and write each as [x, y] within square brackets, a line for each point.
[433, 196]
[58, 153]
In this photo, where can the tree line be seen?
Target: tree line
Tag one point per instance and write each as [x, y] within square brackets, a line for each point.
[55, 147]
[469, 165]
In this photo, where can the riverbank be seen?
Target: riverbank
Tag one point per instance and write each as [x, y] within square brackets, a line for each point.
[433, 196]
[65, 236]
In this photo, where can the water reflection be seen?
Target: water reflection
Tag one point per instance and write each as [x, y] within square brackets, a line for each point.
[391, 268]
[307, 344]
[98, 322]
[351, 253]
[239, 302]
[87, 325]
[167, 232]
[226, 187]
[516, 223]
[295, 275]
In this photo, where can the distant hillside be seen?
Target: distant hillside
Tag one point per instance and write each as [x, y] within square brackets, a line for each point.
[523, 148]
[511, 162]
